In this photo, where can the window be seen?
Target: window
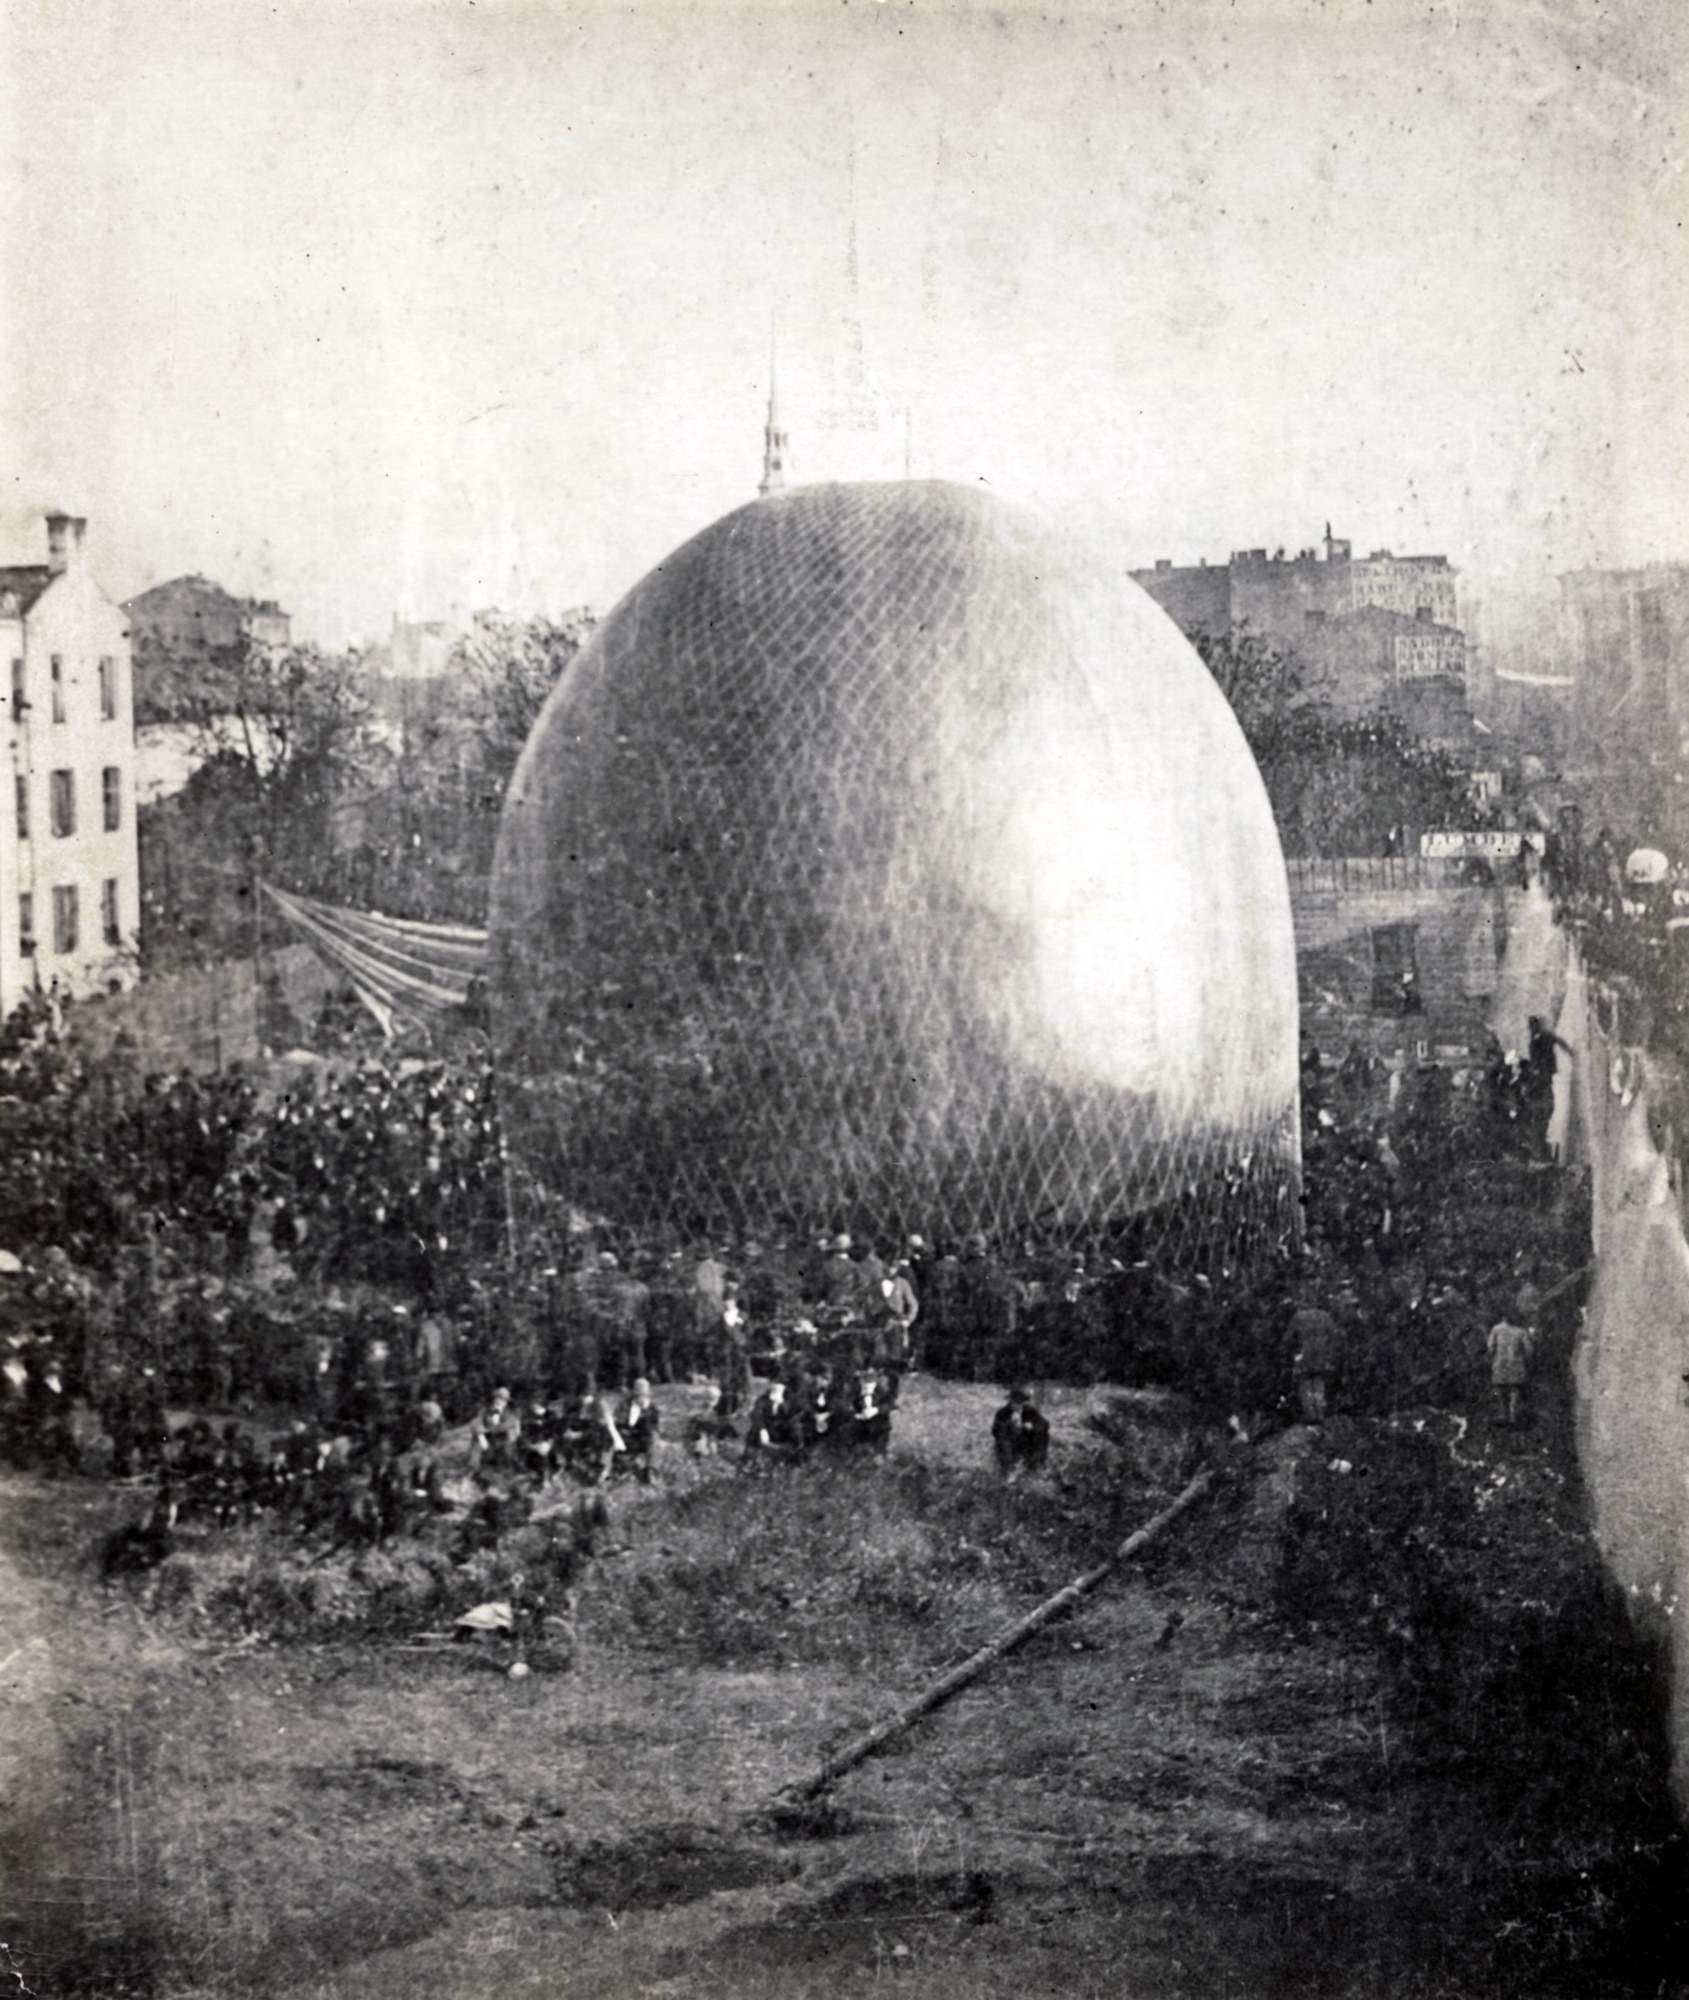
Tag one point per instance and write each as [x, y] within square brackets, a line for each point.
[20, 707]
[64, 919]
[58, 688]
[61, 797]
[108, 688]
[22, 781]
[108, 911]
[111, 797]
[26, 924]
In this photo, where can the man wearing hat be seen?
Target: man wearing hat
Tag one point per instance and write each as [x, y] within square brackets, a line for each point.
[902, 1308]
[498, 1434]
[989, 1312]
[840, 1280]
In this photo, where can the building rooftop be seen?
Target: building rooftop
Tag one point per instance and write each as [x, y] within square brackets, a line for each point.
[20, 585]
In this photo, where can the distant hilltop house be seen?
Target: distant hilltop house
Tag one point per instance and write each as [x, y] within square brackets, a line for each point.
[1381, 630]
[407, 676]
[189, 621]
[69, 868]
[413, 651]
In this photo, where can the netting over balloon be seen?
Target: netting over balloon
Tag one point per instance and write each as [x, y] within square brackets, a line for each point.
[884, 864]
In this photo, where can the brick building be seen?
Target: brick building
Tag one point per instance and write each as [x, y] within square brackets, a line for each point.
[1382, 630]
[191, 621]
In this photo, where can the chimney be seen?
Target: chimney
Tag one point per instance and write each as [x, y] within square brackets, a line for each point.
[64, 542]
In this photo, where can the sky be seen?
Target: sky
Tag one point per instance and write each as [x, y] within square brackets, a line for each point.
[415, 307]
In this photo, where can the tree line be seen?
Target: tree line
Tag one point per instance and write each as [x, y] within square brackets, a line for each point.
[312, 772]
[315, 774]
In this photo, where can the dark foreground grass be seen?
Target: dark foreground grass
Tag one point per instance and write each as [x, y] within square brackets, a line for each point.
[890, 1568]
[1368, 1724]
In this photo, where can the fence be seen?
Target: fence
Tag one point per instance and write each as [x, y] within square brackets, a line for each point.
[1374, 874]
[205, 1019]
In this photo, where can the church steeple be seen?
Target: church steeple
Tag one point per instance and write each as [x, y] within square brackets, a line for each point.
[773, 437]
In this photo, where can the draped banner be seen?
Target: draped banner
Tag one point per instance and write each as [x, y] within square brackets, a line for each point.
[405, 973]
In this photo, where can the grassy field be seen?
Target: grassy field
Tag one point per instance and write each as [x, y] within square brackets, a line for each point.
[1366, 1725]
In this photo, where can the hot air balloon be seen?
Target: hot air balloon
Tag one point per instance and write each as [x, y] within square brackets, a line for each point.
[888, 860]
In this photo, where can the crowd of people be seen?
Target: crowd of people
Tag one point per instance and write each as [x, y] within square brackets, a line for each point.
[392, 1433]
[389, 1415]
[378, 1469]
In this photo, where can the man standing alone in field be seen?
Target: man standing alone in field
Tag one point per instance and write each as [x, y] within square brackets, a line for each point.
[1510, 1348]
[1317, 1347]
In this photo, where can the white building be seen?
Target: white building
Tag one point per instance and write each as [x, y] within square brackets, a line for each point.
[70, 893]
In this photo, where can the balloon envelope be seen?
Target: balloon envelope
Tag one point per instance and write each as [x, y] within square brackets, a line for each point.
[887, 861]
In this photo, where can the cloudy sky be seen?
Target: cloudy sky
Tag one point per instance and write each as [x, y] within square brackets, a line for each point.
[413, 306]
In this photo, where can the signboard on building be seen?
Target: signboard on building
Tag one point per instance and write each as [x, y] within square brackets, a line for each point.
[1492, 844]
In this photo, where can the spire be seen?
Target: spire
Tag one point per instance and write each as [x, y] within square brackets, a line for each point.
[773, 437]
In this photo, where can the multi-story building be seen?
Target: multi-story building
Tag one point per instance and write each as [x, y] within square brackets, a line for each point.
[188, 623]
[1376, 631]
[69, 871]
[1625, 634]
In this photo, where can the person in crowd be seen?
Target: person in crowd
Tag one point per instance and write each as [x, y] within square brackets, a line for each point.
[918, 1255]
[47, 1408]
[670, 1333]
[990, 1303]
[582, 1327]
[139, 1431]
[1316, 1355]
[709, 1291]
[771, 1431]
[138, 1546]
[1020, 1436]
[369, 1406]
[730, 1357]
[498, 1434]
[871, 1286]
[944, 1313]
[903, 1308]
[540, 1425]
[628, 1305]
[816, 1413]
[389, 1493]
[1539, 1067]
[710, 1429]
[1510, 1347]
[766, 1291]
[639, 1424]
[498, 1510]
[870, 1416]
[611, 1310]
[589, 1441]
[840, 1296]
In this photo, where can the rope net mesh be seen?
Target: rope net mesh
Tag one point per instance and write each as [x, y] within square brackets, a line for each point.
[407, 974]
[883, 865]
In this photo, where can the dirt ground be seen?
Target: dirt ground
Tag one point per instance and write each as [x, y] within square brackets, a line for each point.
[1227, 1774]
